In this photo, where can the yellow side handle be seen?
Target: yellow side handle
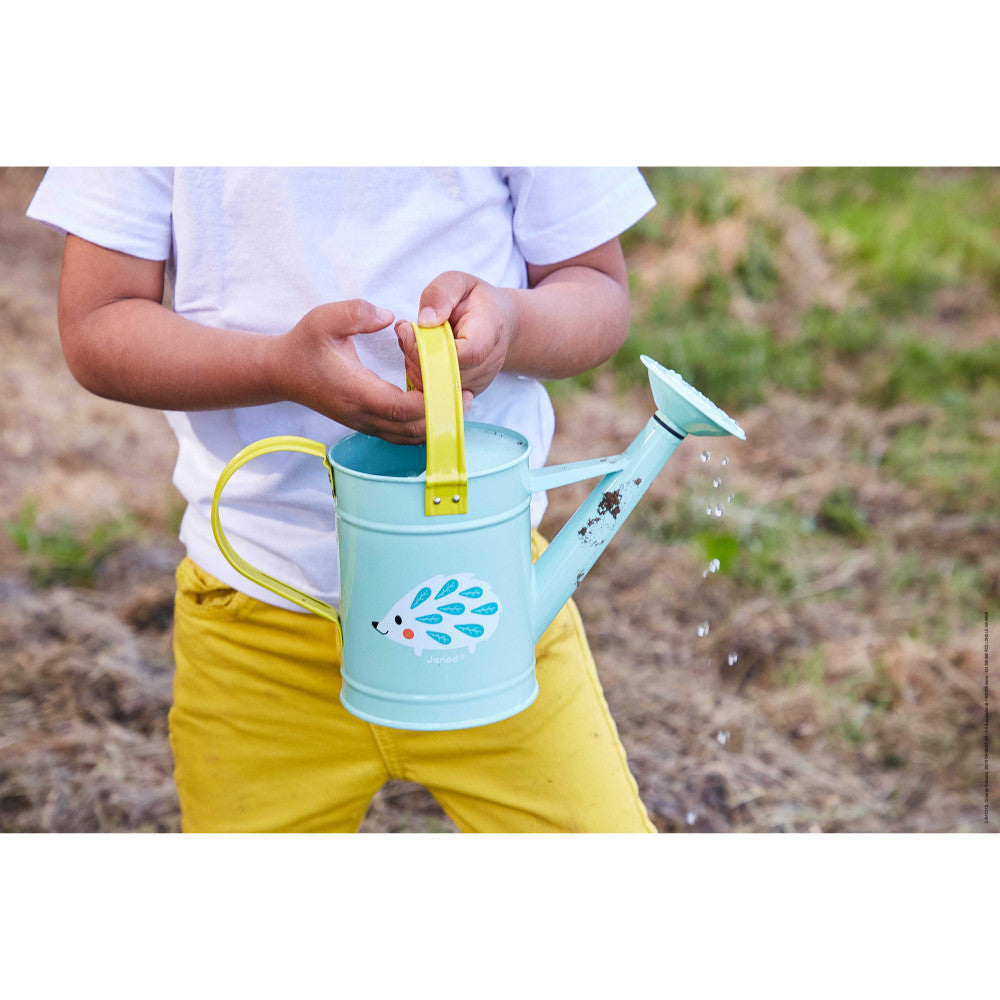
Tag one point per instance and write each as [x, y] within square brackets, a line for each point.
[284, 443]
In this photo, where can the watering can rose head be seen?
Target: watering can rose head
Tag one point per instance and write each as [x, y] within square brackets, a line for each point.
[447, 611]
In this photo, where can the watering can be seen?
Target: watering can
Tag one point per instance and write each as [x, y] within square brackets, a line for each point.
[441, 605]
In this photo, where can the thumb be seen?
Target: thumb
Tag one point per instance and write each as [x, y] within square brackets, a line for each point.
[350, 317]
[439, 299]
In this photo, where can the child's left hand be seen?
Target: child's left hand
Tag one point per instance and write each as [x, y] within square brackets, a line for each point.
[482, 319]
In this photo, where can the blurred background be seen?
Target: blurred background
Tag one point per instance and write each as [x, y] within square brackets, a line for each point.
[790, 630]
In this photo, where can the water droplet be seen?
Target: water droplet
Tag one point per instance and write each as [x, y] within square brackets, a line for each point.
[718, 511]
[722, 736]
[732, 658]
[729, 499]
[716, 482]
[725, 461]
[691, 818]
[702, 630]
[705, 456]
[713, 566]
[708, 510]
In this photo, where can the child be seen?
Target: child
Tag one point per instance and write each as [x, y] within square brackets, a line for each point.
[290, 288]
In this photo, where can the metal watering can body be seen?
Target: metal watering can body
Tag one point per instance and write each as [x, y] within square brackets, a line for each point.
[435, 611]
[441, 605]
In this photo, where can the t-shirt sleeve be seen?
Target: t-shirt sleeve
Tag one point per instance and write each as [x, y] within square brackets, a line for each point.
[121, 208]
[560, 212]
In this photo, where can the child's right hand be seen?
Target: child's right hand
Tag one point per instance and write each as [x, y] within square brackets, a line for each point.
[316, 364]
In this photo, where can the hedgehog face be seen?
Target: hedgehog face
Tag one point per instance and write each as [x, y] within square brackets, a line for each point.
[395, 628]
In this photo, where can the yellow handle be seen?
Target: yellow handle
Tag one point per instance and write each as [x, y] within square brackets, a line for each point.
[447, 482]
[287, 443]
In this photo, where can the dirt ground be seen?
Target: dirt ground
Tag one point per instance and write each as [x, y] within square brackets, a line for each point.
[715, 744]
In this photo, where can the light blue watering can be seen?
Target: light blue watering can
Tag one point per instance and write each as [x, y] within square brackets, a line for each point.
[441, 605]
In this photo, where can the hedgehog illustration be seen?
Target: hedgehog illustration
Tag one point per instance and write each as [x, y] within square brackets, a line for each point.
[446, 612]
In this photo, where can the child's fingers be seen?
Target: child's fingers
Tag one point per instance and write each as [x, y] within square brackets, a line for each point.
[384, 410]
[411, 356]
[439, 299]
[481, 349]
[476, 342]
[411, 359]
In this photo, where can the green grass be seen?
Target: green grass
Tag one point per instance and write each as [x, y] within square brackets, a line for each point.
[734, 363]
[808, 669]
[906, 233]
[66, 554]
[950, 458]
[924, 370]
[843, 336]
[765, 552]
[838, 514]
[898, 235]
[757, 273]
[703, 193]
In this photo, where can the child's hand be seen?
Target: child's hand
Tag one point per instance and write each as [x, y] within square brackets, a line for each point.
[316, 364]
[482, 319]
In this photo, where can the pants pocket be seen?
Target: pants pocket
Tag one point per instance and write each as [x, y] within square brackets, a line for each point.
[201, 594]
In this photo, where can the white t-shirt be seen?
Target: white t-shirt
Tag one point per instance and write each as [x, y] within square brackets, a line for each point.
[255, 249]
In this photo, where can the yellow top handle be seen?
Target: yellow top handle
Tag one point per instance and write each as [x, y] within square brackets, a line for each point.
[446, 491]
[285, 443]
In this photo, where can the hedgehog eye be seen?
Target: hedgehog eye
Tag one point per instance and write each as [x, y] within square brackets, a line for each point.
[398, 620]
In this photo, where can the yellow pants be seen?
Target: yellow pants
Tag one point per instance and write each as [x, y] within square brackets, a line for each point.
[262, 744]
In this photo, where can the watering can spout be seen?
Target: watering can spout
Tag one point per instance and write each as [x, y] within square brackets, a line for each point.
[680, 410]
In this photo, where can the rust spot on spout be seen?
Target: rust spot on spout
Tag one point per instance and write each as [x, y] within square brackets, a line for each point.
[611, 503]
